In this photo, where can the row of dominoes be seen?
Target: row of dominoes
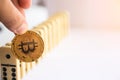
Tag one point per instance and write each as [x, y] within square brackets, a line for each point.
[52, 31]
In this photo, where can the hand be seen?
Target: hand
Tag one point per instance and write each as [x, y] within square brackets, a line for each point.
[12, 15]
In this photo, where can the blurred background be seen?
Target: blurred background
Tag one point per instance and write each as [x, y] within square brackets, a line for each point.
[91, 51]
[89, 13]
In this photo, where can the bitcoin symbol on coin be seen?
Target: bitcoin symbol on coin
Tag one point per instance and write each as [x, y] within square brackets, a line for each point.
[28, 47]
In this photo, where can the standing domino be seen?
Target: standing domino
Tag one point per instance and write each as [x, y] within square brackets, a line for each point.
[10, 66]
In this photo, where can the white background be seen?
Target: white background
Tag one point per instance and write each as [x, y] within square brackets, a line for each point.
[86, 54]
[96, 13]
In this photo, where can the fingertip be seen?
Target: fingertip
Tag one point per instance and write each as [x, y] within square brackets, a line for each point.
[13, 17]
[25, 3]
[21, 30]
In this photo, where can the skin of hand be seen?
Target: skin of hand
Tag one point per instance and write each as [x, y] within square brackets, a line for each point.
[12, 15]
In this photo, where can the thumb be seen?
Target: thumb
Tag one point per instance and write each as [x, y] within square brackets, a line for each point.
[12, 17]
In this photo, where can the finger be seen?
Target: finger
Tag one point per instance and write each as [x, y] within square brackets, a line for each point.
[12, 18]
[25, 3]
[17, 5]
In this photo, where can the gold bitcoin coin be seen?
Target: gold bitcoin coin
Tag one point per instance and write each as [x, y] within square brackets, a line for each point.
[27, 47]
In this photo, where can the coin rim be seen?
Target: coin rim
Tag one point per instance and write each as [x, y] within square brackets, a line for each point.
[15, 52]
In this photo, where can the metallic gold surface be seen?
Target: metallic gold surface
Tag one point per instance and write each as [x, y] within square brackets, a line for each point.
[28, 47]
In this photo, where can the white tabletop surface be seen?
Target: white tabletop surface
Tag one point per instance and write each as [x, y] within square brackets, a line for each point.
[86, 54]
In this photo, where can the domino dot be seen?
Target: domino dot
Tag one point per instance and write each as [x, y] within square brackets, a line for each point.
[4, 69]
[8, 56]
[13, 74]
[13, 78]
[5, 78]
[13, 70]
[4, 74]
